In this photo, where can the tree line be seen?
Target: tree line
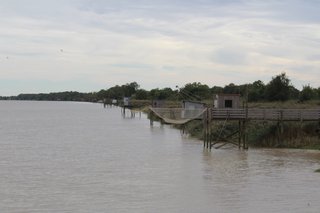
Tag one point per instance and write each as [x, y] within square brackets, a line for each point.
[278, 89]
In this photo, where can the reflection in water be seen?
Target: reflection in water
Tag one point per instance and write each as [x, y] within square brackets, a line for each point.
[225, 165]
[263, 180]
[225, 173]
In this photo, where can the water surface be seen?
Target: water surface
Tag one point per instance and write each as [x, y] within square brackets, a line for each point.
[80, 157]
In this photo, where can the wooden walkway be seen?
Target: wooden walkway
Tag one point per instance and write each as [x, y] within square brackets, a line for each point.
[180, 115]
[266, 114]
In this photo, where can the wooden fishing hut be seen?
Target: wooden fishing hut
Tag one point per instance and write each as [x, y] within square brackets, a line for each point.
[127, 105]
[223, 103]
[226, 101]
[193, 105]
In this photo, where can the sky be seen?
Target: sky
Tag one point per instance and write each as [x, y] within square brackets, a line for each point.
[88, 45]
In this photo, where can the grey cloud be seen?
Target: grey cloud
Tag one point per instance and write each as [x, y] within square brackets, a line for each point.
[230, 56]
[133, 66]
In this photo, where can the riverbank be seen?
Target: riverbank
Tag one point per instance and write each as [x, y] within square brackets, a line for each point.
[262, 134]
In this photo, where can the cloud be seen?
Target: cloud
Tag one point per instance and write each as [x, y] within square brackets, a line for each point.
[159, 43]
[230, 57]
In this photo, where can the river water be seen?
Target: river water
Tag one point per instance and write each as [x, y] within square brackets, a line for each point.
[80, 157]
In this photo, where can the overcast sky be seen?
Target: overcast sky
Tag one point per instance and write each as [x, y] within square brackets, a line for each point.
[87, 45]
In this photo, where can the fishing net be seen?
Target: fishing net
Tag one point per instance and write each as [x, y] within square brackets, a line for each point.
[178, 115]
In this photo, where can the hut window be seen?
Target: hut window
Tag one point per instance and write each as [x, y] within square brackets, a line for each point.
[228, 103]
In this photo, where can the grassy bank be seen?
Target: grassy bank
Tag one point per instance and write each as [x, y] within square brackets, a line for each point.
[291, 104]
[264, 134]
[293, 135]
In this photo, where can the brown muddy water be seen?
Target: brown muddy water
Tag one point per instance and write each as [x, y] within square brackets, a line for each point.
[80, 157]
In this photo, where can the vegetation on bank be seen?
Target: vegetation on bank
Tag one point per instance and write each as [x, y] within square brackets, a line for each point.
[278, 89]
[303, 135]
[293, 135]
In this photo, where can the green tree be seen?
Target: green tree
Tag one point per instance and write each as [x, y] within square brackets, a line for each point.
[102, 94]
[142, 94]
[161, 94]
[256, 91]
[307, 93]
[115, 92]
[231, 89]
[216, 90]
[130, 89]
[293, 93]
[196, 90]
[168, 93]
[278, 89]
[155, 94]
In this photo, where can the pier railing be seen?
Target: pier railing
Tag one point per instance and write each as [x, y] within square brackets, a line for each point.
[266, 114]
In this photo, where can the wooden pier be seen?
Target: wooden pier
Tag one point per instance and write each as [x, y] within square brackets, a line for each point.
[245, 115]
[242, 115]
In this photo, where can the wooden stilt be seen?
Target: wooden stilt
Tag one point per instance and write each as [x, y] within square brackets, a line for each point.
[245, 135]
[239, 135]
[151, 118]
[205, 129]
